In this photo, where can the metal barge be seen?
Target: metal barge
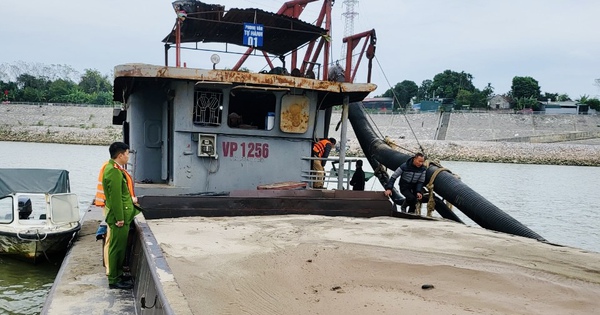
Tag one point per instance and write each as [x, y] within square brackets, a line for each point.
[221, 144]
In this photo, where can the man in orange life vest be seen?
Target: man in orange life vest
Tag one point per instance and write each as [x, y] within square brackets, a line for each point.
[321, 149]
[117, 186]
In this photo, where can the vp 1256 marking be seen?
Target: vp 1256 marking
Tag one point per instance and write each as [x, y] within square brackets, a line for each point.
[255, 150]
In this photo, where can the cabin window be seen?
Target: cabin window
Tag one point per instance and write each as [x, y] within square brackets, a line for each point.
[6, 210]
[250, 109]
[208, 107]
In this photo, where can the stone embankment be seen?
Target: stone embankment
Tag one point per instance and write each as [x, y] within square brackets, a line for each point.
[58, 124]
[467, 138]
[500, 152]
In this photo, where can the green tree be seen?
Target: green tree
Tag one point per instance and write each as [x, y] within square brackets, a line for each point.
[548, 96]
[479, 99]
[78, 97]
[31, 94]
[464, 97]
[94, 82]
[26, 80]
[525, 88]
[425, 91]
[448, 83]
[12, 88]
[594, 103]
[527, 102]
[488, 91]
[583, 99]
[403, 92]
[563, 97]
[102, 98]
[60, 89]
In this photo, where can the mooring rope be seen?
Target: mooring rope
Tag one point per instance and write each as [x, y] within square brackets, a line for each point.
[37, 232]
[404, 113]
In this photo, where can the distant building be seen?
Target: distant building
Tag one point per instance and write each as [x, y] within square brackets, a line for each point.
[379, 103]
[499, 102]
[434, 105]
[566, 107]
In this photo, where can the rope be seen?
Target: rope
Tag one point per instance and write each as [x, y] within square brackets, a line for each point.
[396, 98]
[391, 143]
[373, 121]
[37, 232]
[429, 186]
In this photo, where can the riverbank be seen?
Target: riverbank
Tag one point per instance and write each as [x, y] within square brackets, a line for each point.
[467, 137]
[470, 137]
[498, 152]
[58, 124]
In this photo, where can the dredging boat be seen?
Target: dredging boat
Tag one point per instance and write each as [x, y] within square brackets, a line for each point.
[226, 151]
[39, 216]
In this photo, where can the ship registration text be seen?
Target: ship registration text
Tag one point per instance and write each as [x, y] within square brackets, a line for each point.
[256, 150]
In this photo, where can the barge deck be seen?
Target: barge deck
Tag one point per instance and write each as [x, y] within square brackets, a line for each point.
[298, 264]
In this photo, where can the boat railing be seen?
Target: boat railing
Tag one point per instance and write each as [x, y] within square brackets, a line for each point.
[330, 176]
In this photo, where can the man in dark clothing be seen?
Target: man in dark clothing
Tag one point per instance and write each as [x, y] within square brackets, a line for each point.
[412, 178]
[321, 149]
[358, 179]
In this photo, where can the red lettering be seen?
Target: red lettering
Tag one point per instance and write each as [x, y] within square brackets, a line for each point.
[258, 149]
[225, 148]
[229, 148]
[233, 147]
[250, 150]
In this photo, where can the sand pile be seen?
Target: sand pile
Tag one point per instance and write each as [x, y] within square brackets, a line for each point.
[337, 265]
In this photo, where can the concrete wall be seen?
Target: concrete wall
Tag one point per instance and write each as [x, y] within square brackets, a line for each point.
[58, 124]
[477, 126]
[93, 125]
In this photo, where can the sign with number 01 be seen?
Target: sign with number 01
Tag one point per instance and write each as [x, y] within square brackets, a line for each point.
[253, 34]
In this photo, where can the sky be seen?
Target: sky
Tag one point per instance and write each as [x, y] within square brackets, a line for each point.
[554, 41]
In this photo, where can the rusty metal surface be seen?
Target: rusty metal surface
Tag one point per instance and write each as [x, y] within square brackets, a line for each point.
[330, 93]
[152, 71]
[210, 23]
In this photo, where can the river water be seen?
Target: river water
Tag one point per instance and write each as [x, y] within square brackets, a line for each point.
[556, 202]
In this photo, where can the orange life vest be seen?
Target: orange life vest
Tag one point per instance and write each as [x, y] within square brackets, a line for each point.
[100, 199]
[319, 147]
[129, 179]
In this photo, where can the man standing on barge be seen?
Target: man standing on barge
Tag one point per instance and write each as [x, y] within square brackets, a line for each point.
[321, 150]
[120, 212]
[412, 178]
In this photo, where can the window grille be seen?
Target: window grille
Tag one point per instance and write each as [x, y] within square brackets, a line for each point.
[208, 106]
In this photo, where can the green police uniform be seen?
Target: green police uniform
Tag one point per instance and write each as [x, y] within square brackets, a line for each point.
[119, 207]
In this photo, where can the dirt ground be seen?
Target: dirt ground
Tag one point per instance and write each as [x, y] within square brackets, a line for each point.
[336, 265]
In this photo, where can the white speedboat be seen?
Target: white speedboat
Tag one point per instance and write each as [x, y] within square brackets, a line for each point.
[38, 213]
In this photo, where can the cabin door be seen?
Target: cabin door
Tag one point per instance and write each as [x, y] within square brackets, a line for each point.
[64, 208]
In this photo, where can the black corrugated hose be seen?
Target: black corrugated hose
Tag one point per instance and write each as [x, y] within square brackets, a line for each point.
[452, 189]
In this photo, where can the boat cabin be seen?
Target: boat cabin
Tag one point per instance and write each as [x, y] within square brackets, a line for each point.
[195, 131]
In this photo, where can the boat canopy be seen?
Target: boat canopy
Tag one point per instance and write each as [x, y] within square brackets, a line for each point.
[210, 23]
[36, 181]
